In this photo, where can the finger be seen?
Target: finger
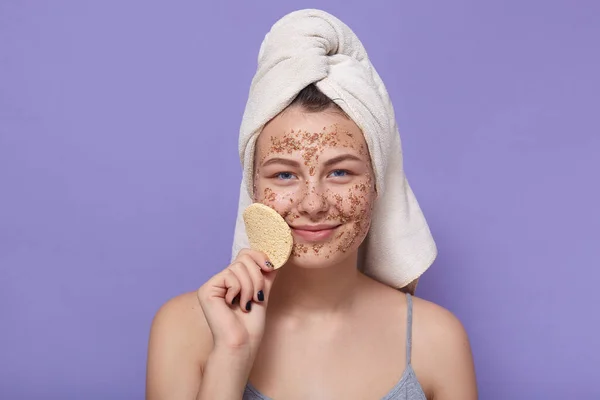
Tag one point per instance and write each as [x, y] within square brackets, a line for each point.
[224, 286]
[257, 277]
[232, 286]
[268, 274]
[247, 287]
[260, 258]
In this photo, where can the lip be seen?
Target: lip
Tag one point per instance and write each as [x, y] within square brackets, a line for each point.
[314, 233]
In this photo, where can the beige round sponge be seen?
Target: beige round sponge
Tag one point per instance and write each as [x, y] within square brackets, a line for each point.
[268, 232]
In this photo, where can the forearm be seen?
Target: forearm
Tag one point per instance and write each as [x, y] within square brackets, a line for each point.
[225, 376]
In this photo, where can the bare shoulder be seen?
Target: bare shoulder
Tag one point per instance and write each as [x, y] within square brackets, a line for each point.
[180, 341]
[434, 327]
[182, 318]
[441, 351]
[436, 324]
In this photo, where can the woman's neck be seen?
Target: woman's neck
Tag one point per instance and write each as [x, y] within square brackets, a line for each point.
[315, 292]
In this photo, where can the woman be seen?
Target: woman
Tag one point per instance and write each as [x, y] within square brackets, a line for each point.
[324, 326]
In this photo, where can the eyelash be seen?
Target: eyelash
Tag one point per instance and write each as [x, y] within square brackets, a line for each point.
[278, 175]
[346, 173]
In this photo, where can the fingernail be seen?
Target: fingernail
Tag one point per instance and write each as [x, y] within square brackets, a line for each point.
[248, 306]
[235, 299]
[261, 296]
[268, 264]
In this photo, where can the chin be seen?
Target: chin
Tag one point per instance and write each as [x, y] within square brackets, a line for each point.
[310, 259]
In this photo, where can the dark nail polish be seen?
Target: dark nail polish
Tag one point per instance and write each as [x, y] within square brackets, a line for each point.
[261, 296]
[235, 300]
[268, 264]
[248, 306]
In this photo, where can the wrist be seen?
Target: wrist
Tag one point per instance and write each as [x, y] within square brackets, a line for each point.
[237, 358]
[231, 351]
[225, 374]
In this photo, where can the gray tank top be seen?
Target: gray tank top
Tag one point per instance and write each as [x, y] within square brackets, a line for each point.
[407, 388]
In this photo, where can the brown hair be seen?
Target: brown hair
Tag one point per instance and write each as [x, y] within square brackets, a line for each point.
[311, 99]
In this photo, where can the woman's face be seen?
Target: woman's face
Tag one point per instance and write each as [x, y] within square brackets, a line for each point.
[314, 169]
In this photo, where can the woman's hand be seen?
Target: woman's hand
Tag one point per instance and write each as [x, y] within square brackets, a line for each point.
[234, 302]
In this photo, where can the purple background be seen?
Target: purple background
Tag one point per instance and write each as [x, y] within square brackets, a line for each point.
[119, 176]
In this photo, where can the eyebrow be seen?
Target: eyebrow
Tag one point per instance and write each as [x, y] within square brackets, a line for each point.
[339, 159]
[284, 161]
[328, 163]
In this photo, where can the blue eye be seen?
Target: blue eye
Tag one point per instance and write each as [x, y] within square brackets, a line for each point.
[339, 173]
[285, 175]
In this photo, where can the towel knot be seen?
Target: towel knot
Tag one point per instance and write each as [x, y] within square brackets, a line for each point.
[314, 39]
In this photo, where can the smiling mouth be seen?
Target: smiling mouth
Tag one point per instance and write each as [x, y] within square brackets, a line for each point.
[314, 233]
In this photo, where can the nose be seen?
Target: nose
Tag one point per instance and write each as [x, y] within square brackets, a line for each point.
[313, 202]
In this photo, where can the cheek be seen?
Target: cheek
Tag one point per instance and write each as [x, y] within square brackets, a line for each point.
[353, 203]
[355, 209]
[281, 199]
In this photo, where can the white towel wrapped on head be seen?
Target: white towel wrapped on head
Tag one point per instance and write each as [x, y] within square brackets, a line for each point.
[312, 46]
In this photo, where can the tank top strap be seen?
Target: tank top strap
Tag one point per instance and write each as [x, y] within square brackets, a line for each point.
[409, 319]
